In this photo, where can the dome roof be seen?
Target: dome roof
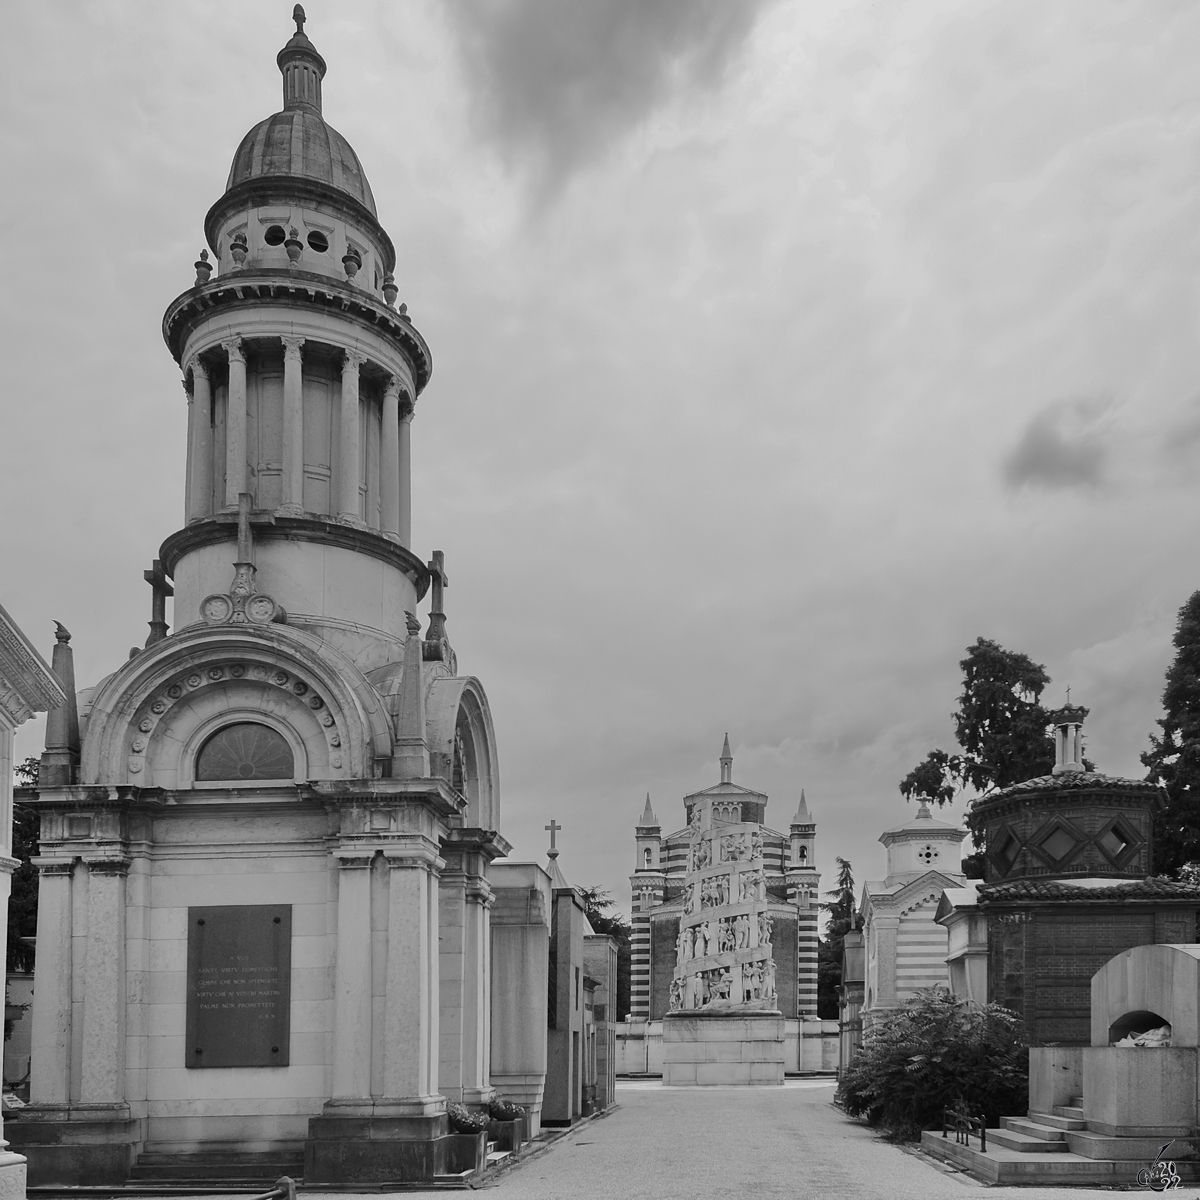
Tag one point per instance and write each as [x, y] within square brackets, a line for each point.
[295, 142]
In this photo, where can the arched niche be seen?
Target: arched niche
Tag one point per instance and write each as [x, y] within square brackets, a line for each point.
[462, 746]
[149, 719]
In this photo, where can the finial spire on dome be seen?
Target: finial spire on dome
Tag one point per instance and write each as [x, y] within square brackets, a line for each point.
[726, 762]
[302, 67]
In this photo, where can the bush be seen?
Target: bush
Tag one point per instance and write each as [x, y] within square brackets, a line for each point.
[504, 1110]
[462, 1120]
[938, 1052]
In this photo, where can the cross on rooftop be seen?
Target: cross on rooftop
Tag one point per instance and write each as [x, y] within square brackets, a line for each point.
[437, 571]
[552, 829]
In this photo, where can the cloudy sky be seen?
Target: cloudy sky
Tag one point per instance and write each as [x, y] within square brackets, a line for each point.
[782, 350]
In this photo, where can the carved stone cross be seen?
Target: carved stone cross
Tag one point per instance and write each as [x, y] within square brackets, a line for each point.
[157, 579]
[552, 829]
[439, 581]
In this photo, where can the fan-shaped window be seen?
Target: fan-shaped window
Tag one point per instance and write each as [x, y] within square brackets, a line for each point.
[244, 752]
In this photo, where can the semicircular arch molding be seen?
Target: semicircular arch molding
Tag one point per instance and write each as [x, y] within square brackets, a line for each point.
[460, 732]
[145, 721]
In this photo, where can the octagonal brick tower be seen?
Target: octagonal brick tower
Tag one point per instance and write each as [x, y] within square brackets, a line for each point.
[293, 791]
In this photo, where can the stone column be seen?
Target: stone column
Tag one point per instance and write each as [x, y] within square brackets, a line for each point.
[50, 1079]
[406, 416]
[102, 1070]
[293, 427]
[235, 424]
[200, 443]
[352, 997]
[410, 1035]
[350, 450]
[389, 462]
[476, 1012]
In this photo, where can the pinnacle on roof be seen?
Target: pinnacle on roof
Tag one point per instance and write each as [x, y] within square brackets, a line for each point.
[1068, 738]
[648, 817]
[726, 762]
[802, 816]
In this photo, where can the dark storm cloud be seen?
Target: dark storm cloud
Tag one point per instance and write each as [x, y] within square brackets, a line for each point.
[1061, 448]
[554, 83]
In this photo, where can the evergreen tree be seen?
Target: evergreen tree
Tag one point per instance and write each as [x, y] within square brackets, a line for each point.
[22, 903]
[843, 918]
[1174, 758]
[596, 906]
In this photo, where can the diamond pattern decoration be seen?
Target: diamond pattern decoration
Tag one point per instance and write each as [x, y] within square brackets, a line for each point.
[1058, 843]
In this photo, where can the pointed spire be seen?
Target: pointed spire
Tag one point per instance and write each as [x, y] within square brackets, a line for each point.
[410, 758]
[303, 69]
[649, 820]
[726, 762]
[802, 816]
[60, 762]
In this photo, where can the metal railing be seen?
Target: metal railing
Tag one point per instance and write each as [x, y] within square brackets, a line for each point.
[963, 1125]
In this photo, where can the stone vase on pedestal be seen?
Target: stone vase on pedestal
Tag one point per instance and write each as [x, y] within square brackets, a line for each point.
[724, 1026]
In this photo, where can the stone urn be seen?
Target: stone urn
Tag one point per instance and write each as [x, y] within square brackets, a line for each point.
[390, 290]
[237, 250]
[203, 267]
[294, 247]
[352, 263]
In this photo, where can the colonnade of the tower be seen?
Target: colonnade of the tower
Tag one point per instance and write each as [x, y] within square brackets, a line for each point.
[305, 427]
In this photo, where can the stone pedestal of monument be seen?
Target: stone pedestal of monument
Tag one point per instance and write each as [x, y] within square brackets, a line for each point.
[713, 1049]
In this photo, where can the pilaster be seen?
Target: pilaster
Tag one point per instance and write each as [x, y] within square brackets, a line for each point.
[293, 427]
[199, 497]
[235, 424]
[348, 486]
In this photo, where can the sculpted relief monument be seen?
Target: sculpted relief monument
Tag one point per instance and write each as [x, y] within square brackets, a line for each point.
[724, 1024]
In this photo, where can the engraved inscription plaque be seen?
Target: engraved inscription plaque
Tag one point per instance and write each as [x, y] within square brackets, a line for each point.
[239, 985]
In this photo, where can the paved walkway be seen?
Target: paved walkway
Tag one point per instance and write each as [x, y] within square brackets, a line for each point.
[701, 1143]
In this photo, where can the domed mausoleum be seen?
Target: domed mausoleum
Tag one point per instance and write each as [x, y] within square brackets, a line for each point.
[267, 838]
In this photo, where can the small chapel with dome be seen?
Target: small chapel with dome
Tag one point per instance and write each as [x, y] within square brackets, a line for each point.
[266, 838]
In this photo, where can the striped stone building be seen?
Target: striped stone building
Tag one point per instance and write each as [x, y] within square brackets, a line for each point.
[905, 948]
[792, 892]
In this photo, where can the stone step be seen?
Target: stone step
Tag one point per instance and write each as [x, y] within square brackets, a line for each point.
[1023, 1143]
[1143, 1150]
[1031, 1128]
[496, 1156]
[1003, 1166]
[1055, 1121]
[221, 1166]
[1073, 1111]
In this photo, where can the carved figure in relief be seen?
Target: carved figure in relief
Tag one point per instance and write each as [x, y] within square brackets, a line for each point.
[741, 930]
[764, 929]
[756, 844]
[768, 986]
[725, 935]
[689, 904]
[721, 992]
[722, 889]
[751, 885]
[685, 949]
[676, 994]
[700, 942]
[700, 854]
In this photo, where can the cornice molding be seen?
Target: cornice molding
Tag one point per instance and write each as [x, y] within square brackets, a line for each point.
[266, 286]
[25, 676]
[328, 532]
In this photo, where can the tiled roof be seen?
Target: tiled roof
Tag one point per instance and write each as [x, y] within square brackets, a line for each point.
[1153, 888]
[1080, 781]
